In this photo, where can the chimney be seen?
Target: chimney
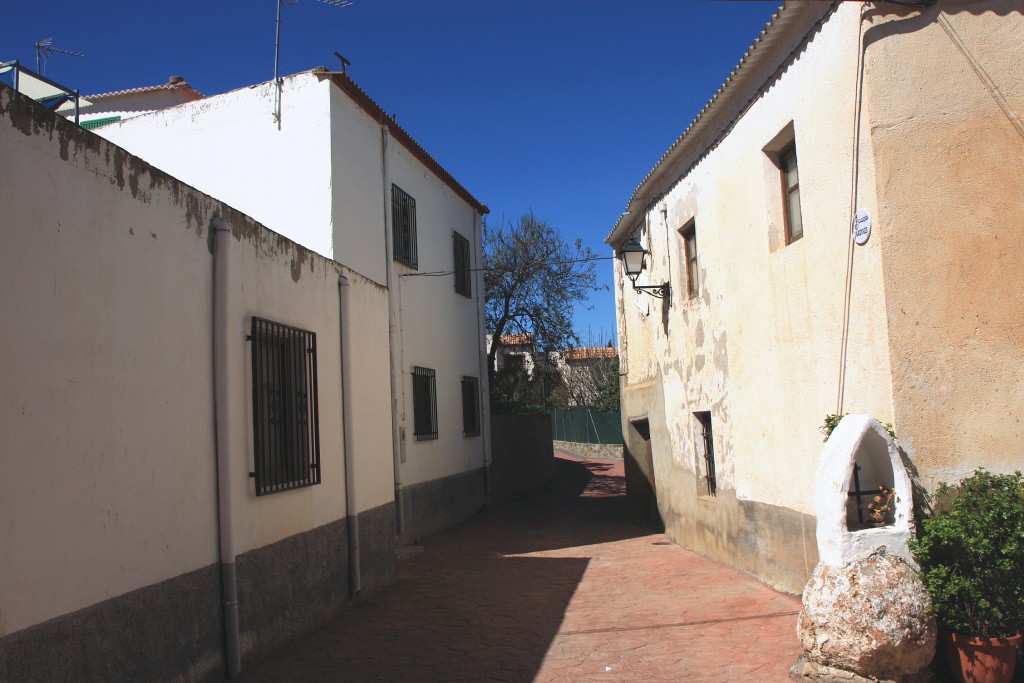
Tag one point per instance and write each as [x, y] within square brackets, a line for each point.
[174, 80]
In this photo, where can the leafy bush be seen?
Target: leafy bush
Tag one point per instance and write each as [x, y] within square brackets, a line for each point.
[971, 553]
[832, 421]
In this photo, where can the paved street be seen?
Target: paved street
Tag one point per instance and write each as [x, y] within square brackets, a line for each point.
[556, 588]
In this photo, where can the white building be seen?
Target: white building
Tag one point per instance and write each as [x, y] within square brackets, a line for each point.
[214, 436]
[336, 174]
[777, 318]
[101, 109]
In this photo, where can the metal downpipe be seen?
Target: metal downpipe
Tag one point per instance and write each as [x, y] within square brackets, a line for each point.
[351, 509]
[222, 428]
[395, 371]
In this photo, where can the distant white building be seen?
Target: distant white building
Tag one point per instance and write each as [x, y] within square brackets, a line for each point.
[105, 108]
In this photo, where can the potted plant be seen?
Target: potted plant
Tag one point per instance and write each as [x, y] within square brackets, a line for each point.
[882, 508]
[971, 554]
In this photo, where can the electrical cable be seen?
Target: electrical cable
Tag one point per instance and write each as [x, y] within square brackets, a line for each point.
[855, 174]
[440, 273]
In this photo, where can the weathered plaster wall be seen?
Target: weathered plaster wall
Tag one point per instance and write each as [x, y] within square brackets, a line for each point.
[759, 346]
[107, 475]
[944, 87]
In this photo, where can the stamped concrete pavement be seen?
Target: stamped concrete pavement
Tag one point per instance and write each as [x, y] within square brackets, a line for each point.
[555, 588]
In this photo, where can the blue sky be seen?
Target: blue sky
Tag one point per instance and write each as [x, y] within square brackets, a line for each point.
[556, 106]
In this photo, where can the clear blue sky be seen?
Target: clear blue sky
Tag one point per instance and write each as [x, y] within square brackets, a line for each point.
[556, 106]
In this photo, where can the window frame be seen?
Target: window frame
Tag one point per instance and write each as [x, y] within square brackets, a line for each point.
[424, 403]
[285, 411]
[403, 227]
[785, 154]
[470, 406]
[463, 265]
[691, 269]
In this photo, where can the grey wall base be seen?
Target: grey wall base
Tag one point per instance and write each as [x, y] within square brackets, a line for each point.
[377, 539]
[440, 503]
[775, 544]
[173, 630]
[290, 587]
[168, 631]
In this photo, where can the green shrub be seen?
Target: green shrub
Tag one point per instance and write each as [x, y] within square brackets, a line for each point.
[971, 554]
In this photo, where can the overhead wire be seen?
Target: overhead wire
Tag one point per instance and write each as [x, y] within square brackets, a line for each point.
[439, 273]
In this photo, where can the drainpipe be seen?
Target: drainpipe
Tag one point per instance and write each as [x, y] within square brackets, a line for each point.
[485, 389]
[351, 509]
[395, 373]
[222, 426]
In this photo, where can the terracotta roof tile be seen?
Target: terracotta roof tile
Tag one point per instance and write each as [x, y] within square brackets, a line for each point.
[592, 352]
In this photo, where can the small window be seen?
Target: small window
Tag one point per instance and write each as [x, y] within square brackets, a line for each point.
[708, 442]
[460, 247]
[286, 433]
[791, 194]
[471, 406]
[403, 218]
[689, 234]
[424, 404]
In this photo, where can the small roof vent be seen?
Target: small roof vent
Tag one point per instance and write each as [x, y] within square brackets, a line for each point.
[174, 80]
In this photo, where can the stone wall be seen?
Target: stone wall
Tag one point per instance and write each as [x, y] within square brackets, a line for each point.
[592, 450]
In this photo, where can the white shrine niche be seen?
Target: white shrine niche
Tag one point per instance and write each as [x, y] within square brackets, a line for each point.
[842, 538]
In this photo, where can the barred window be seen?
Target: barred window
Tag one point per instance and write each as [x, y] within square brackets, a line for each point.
[460, 246]
[471, 406]
[403, 219]
[707, 443]
[285, 420]
[424, 404]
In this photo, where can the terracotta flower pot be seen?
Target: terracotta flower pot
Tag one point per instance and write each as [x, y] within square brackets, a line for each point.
[980, 660]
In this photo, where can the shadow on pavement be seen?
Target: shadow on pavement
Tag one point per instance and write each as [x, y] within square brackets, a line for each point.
[475, 605]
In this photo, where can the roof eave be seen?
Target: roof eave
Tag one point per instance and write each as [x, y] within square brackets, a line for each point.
[788, 29]
[374, 110]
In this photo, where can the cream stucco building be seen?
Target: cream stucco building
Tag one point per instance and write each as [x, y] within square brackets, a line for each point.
[777, 318]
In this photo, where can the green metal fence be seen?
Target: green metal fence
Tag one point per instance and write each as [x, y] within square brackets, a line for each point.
[586, 425]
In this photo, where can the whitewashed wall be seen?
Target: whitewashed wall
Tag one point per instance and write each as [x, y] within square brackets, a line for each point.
[322, 179]
[439, 328]
[229, 147]
[107, 473]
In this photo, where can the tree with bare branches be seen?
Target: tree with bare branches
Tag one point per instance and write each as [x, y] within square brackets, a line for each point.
[533, 278]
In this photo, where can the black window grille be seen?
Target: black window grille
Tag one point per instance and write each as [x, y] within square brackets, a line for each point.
[424, 404]
[285, 419]
[463, 281]
[471, 406]
[709, 451]
[403, 218]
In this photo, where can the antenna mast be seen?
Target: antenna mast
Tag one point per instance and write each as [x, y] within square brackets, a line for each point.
[44, 48]
[278, 82]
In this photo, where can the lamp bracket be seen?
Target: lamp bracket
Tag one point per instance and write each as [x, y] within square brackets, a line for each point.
[657, 291]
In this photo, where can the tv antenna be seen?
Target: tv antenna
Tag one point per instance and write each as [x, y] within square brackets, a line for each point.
[341, 4]
[45, 48]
